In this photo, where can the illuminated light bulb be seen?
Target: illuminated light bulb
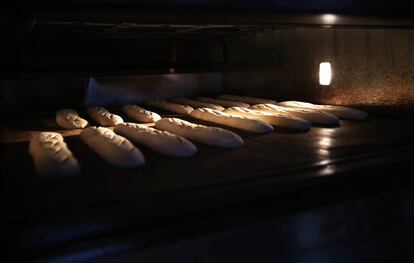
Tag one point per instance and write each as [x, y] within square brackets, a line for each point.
[325, 73]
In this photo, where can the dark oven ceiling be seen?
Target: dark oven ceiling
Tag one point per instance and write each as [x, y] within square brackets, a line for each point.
[129, 18]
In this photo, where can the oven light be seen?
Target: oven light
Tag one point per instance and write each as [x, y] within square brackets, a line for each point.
[328, 18]
[325, 73]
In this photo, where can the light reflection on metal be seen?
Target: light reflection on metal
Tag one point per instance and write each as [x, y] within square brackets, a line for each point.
[327, 170]
[325, 142]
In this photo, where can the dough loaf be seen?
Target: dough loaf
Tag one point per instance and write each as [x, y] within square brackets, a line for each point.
[160, 141]
[224, 103]
[243, 123]
[51, 155]
[140, 114]
[111, 147]
[276, 119]
[204, 134]
[314, 116]
[103, 117]
[247, 99]
[69, 119]
[170, 106]
[197, 104]
[341, 112]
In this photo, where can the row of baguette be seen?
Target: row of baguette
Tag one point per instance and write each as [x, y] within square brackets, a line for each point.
[287, 114]
[172, 136]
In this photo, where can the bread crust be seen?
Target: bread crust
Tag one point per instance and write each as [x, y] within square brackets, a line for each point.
[160, 141]
[314, 116]
[69, 119]
[51, 155]
[280, 120]
[140, 114]
[197, 104]
[113, 148]
[170, 106]
[103, 117]
[204, 134]
[242, 123]
[341, 112]
[247, 99]
[224, 103]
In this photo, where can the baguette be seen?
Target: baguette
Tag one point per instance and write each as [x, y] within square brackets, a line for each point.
[243, 123]
[169, 106]
[315, 117]
[247, 99]
[103, 117]
[341, 112]
[51, 155]
[163, 142]
[69, 119]
[276, 119]
[140, 114]
[224, 103]
[111, 147]
[197, 104]
[208, 135]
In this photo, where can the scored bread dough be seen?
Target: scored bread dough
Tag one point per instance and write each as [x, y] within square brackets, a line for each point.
[52, 156]
[224, 103]
[69, 119]
[247, 99]
[170, 106]
[103, 117]
[208, 135]
[276, 119]
[341, 112]
[197, 104]
[140, 114]
[113, 148]
[314, 116]
[160, 141]
[243, 123]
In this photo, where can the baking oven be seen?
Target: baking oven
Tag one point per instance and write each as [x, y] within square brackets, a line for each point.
[330, 193]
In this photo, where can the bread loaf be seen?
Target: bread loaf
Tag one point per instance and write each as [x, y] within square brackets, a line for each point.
[246, 99]
[224, 103]
[243, 123]
[69, 119]
[341, 112]
[169, 106]
[103, 117]
[314, 116]
[140, 114]
[111, 147]
[160, 141]
[197, 104]
[51, 155]
[276, 119]
[208, 135]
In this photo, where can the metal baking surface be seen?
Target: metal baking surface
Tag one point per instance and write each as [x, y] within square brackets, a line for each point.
[53, 212]
[277, 154]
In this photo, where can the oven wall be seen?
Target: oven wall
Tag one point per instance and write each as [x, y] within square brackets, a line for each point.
[48, 73]
[372, 68]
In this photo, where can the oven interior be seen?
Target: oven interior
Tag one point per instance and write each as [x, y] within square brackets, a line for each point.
[79, 57]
